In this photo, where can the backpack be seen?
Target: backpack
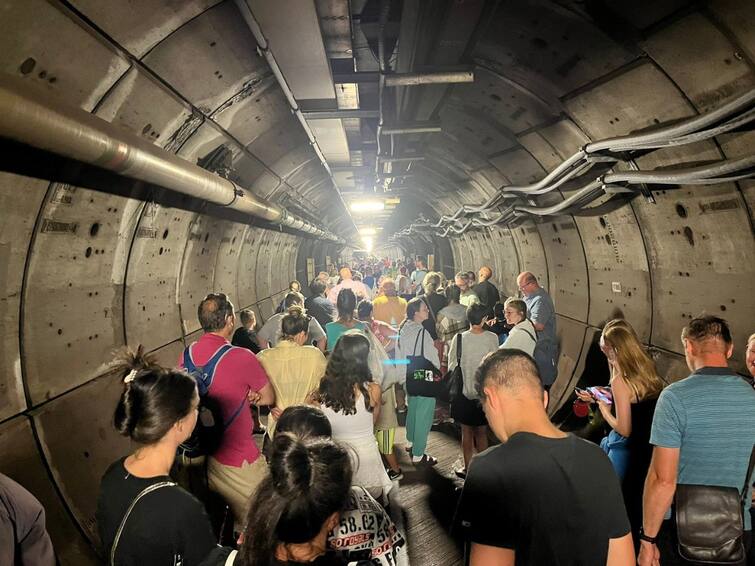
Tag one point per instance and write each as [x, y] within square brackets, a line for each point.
[208, 432]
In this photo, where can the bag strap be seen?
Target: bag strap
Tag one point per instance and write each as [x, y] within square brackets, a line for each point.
[145, 491]
[209, 367]
[458, 350]
[528, 333]
[231, 558]
[426, 300]
[416, 341]
[236, 413]
[751, 465]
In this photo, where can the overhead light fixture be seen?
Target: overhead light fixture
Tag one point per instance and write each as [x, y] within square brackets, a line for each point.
[368, 243]
[367, 206]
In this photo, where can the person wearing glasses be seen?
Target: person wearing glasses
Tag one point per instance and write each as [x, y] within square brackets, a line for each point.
[293, 367]
[522, 335]
[543, 317]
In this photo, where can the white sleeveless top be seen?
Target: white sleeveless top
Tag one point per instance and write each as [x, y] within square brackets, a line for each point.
[357, 431]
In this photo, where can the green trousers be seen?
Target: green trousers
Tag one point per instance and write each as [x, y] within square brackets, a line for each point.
[419, 419]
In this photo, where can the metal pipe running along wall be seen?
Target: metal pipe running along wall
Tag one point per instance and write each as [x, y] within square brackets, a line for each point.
[28, 115]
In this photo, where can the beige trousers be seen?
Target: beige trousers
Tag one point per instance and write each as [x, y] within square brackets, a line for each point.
[236, 485]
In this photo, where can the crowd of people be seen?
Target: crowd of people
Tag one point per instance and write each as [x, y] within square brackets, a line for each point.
[335, 370]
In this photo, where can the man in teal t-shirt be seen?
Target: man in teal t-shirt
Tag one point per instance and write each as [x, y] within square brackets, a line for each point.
[703, 432]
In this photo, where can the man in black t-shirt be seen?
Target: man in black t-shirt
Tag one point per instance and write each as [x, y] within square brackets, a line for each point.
[245, 336]
[486, 291]
[543, 496]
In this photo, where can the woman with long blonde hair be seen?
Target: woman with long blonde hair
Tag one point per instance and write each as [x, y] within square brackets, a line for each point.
[627, 406]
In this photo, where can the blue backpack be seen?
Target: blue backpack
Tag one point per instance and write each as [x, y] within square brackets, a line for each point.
[208, 432]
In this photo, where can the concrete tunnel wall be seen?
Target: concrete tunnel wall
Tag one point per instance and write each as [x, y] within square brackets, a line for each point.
[84, 272]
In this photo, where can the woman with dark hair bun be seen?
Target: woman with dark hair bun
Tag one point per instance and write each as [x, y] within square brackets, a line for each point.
[143, 517]
[351, 402]
[299, 503]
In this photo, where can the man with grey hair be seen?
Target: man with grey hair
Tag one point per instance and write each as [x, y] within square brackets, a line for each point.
[517, 494]
[543, 317]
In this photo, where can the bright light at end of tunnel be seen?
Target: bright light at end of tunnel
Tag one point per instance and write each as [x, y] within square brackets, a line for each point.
[367, 206]
[367, 231]
[368, 243]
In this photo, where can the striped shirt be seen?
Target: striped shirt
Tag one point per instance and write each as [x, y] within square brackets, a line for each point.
[710, 416]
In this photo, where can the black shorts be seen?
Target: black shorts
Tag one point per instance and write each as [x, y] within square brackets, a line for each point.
[467, 412]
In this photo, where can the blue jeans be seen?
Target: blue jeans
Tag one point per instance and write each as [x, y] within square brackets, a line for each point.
[617, 449]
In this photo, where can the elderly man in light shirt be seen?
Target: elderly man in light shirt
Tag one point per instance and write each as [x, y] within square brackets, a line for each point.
[359, 288]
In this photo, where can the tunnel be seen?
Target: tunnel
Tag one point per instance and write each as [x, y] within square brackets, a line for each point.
[154, 151]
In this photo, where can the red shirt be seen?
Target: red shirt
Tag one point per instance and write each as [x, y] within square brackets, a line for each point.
[236, 374]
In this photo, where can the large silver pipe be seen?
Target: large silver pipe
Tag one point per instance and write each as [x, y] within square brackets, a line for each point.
[442, 77]
[28, 115]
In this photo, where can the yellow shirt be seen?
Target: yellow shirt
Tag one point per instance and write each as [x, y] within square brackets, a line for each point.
[294, 372]
[391, 310]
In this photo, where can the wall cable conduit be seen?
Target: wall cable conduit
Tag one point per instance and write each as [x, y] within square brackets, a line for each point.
[620, 185]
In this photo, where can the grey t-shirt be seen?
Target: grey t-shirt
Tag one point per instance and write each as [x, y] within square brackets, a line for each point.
[474, 347]
[540, 310]
[271, 331]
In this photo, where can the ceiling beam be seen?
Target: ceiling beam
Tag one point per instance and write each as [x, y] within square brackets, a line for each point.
[338, 114]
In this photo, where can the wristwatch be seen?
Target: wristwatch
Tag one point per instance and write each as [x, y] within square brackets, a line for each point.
[647, 538]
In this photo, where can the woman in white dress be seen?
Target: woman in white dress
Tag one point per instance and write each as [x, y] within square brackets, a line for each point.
[351, 402]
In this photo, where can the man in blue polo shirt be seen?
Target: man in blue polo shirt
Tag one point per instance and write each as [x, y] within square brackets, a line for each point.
[543, 316]
[703, 434]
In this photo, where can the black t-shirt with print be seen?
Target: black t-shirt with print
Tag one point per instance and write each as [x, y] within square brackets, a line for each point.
[554, 501]
[167, 526]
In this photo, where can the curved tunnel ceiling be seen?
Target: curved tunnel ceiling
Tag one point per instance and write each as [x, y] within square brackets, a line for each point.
[86, 271]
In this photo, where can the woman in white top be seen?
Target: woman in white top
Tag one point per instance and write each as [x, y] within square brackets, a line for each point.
[523, 335]
[351, 402]
[413, 340]
[476, 343]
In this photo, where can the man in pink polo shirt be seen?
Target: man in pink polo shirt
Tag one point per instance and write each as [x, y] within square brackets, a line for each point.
[236, 468]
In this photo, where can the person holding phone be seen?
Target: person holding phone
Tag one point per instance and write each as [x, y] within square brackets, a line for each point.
[634, 389]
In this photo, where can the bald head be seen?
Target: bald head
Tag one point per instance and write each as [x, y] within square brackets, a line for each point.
[527, 282]
[514, 371]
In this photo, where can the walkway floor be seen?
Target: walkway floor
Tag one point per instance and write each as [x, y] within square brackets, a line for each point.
[427, 499]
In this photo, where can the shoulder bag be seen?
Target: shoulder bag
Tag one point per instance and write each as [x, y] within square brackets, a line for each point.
[423, 379]
[455, 380]
[710, 521]
[119, 532]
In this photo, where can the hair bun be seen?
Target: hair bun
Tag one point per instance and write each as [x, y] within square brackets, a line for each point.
[290, 464]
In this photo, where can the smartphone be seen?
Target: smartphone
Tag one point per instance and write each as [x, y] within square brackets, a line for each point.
[601, 395]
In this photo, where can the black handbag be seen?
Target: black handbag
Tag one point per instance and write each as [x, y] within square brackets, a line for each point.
[423, 379]
[455, 379]
[710, 521]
